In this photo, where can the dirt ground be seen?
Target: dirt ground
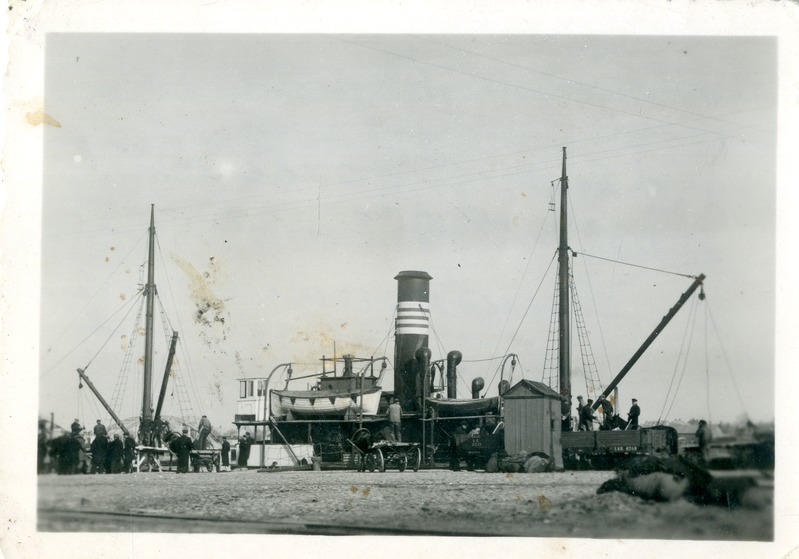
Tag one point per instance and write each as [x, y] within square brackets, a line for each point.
[434, 502]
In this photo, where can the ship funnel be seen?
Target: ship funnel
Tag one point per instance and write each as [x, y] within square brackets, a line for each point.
[477, 386]
[453, 359]
[411, 333]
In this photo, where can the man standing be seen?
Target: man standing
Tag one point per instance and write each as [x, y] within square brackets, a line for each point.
[607, 413]
[580, 406]
[76, 428]
[395, 419]
[116, 450]
[704, 437]
[225, 455]
[129, 454]
[632, 417]
[244, 450]
[183, 447]
[565, 411]
[99, 448]
[587, 416]
[203, 430]
[99, 429]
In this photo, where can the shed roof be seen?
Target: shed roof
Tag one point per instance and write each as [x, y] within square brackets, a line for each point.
[530, 389]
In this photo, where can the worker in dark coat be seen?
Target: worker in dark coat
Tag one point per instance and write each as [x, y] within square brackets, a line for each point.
[565, 412]
[580, 406]
[632, 417]
[115, 452]
[244, 450]
[703, 438]
[99, 448]
[129, 454]
[587, 416]
[99, 429]
[607, 413]
[75, 427]
[225, 455]
[183, 446]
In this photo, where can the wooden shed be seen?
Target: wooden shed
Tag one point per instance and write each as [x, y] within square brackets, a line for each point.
[532, 420]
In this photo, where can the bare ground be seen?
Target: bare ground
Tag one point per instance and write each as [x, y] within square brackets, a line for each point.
[436, 502]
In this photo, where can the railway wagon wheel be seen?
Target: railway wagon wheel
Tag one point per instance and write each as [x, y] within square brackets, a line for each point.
[381, 463]
[371, 462]
[402, 461]
[414, 458]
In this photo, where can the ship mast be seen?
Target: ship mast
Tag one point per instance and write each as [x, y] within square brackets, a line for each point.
[564, 355]
[149, 292]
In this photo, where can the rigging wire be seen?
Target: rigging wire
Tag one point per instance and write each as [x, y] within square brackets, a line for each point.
[636, 114]
[384, 342]
[685, 360]
[112, 333]
[519, 287]
[707, 373]
[677, 364]
[726, 359]
[571, 82]
[634, 265]
[91, 298]
[590, 287]
[527, 310]
[183, 348]
[271, 208]
[71, 351]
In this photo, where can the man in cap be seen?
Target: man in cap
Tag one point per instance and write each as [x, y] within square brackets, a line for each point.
[632, 416]
[75, 427]
[395, 419]
[587, 416]
[183, 446]
[99, 429]
[580, 406]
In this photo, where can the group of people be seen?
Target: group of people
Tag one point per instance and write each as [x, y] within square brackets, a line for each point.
[83, 451]
[73, 453]
[586, 416]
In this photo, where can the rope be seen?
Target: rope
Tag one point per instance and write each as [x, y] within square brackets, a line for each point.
[685, 361]
[591, 288]
[633, 265]
[112, 333]
[726, 360]
[521, 281]
[527, 310]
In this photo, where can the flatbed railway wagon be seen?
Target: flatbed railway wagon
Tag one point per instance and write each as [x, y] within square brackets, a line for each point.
[613, 449]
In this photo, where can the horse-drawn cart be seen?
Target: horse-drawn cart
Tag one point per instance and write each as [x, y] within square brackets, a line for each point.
[379, 455]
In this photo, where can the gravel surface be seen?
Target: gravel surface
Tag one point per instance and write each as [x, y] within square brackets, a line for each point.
[434, 501]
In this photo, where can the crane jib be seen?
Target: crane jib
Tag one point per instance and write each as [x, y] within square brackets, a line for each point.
[658, 329]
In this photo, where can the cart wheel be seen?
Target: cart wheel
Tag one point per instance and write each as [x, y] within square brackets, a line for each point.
[414, 458]
[371, 462]
[381, 463]
[402, 462]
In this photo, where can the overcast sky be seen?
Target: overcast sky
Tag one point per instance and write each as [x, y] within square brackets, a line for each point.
[293, 176]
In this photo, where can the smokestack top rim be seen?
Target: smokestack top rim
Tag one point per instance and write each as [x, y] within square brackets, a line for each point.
[413, 274]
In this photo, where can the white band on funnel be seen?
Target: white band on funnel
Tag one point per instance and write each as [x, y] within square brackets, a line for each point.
[413, 317]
